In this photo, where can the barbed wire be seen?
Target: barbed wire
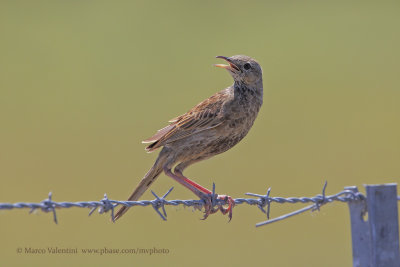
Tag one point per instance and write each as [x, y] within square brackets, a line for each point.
[263, 202]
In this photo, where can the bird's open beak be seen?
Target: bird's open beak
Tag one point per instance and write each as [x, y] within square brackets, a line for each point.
[230, 67]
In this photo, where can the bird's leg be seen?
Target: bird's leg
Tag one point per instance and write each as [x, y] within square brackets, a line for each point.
[197, 189]
[204, 194]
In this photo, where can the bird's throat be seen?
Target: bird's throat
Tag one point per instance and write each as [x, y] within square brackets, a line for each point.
[241, 89]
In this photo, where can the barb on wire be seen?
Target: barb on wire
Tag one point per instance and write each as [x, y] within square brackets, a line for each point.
[159, 203]
[48, 206]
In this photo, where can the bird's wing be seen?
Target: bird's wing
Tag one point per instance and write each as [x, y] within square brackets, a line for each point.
[204, 116]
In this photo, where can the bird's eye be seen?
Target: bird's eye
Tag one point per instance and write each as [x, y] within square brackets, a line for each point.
[246, 66]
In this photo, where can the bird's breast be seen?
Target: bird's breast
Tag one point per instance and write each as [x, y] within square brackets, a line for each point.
[242, 110]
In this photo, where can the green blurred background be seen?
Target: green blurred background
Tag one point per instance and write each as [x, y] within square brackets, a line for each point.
[83, 82]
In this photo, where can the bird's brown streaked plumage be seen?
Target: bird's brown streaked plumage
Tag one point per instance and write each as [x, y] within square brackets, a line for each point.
[202, 117]
[210, 128]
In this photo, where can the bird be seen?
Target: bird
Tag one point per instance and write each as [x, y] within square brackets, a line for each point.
[210, 128]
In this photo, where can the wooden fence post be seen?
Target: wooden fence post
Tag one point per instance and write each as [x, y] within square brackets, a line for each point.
[375, 227]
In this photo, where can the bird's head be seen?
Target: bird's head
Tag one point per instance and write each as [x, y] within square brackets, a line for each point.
[243, 69]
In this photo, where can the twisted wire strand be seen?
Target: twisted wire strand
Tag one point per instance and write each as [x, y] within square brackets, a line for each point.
[159, 203]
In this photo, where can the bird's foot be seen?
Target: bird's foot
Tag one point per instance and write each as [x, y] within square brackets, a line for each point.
[210, 208]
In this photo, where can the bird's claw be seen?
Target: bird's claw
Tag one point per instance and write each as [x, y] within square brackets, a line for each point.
[209, 208]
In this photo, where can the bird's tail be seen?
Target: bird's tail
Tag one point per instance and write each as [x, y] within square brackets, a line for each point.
[145, 183]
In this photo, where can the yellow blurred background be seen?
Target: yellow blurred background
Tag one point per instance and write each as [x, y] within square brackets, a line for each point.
[83, 82]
